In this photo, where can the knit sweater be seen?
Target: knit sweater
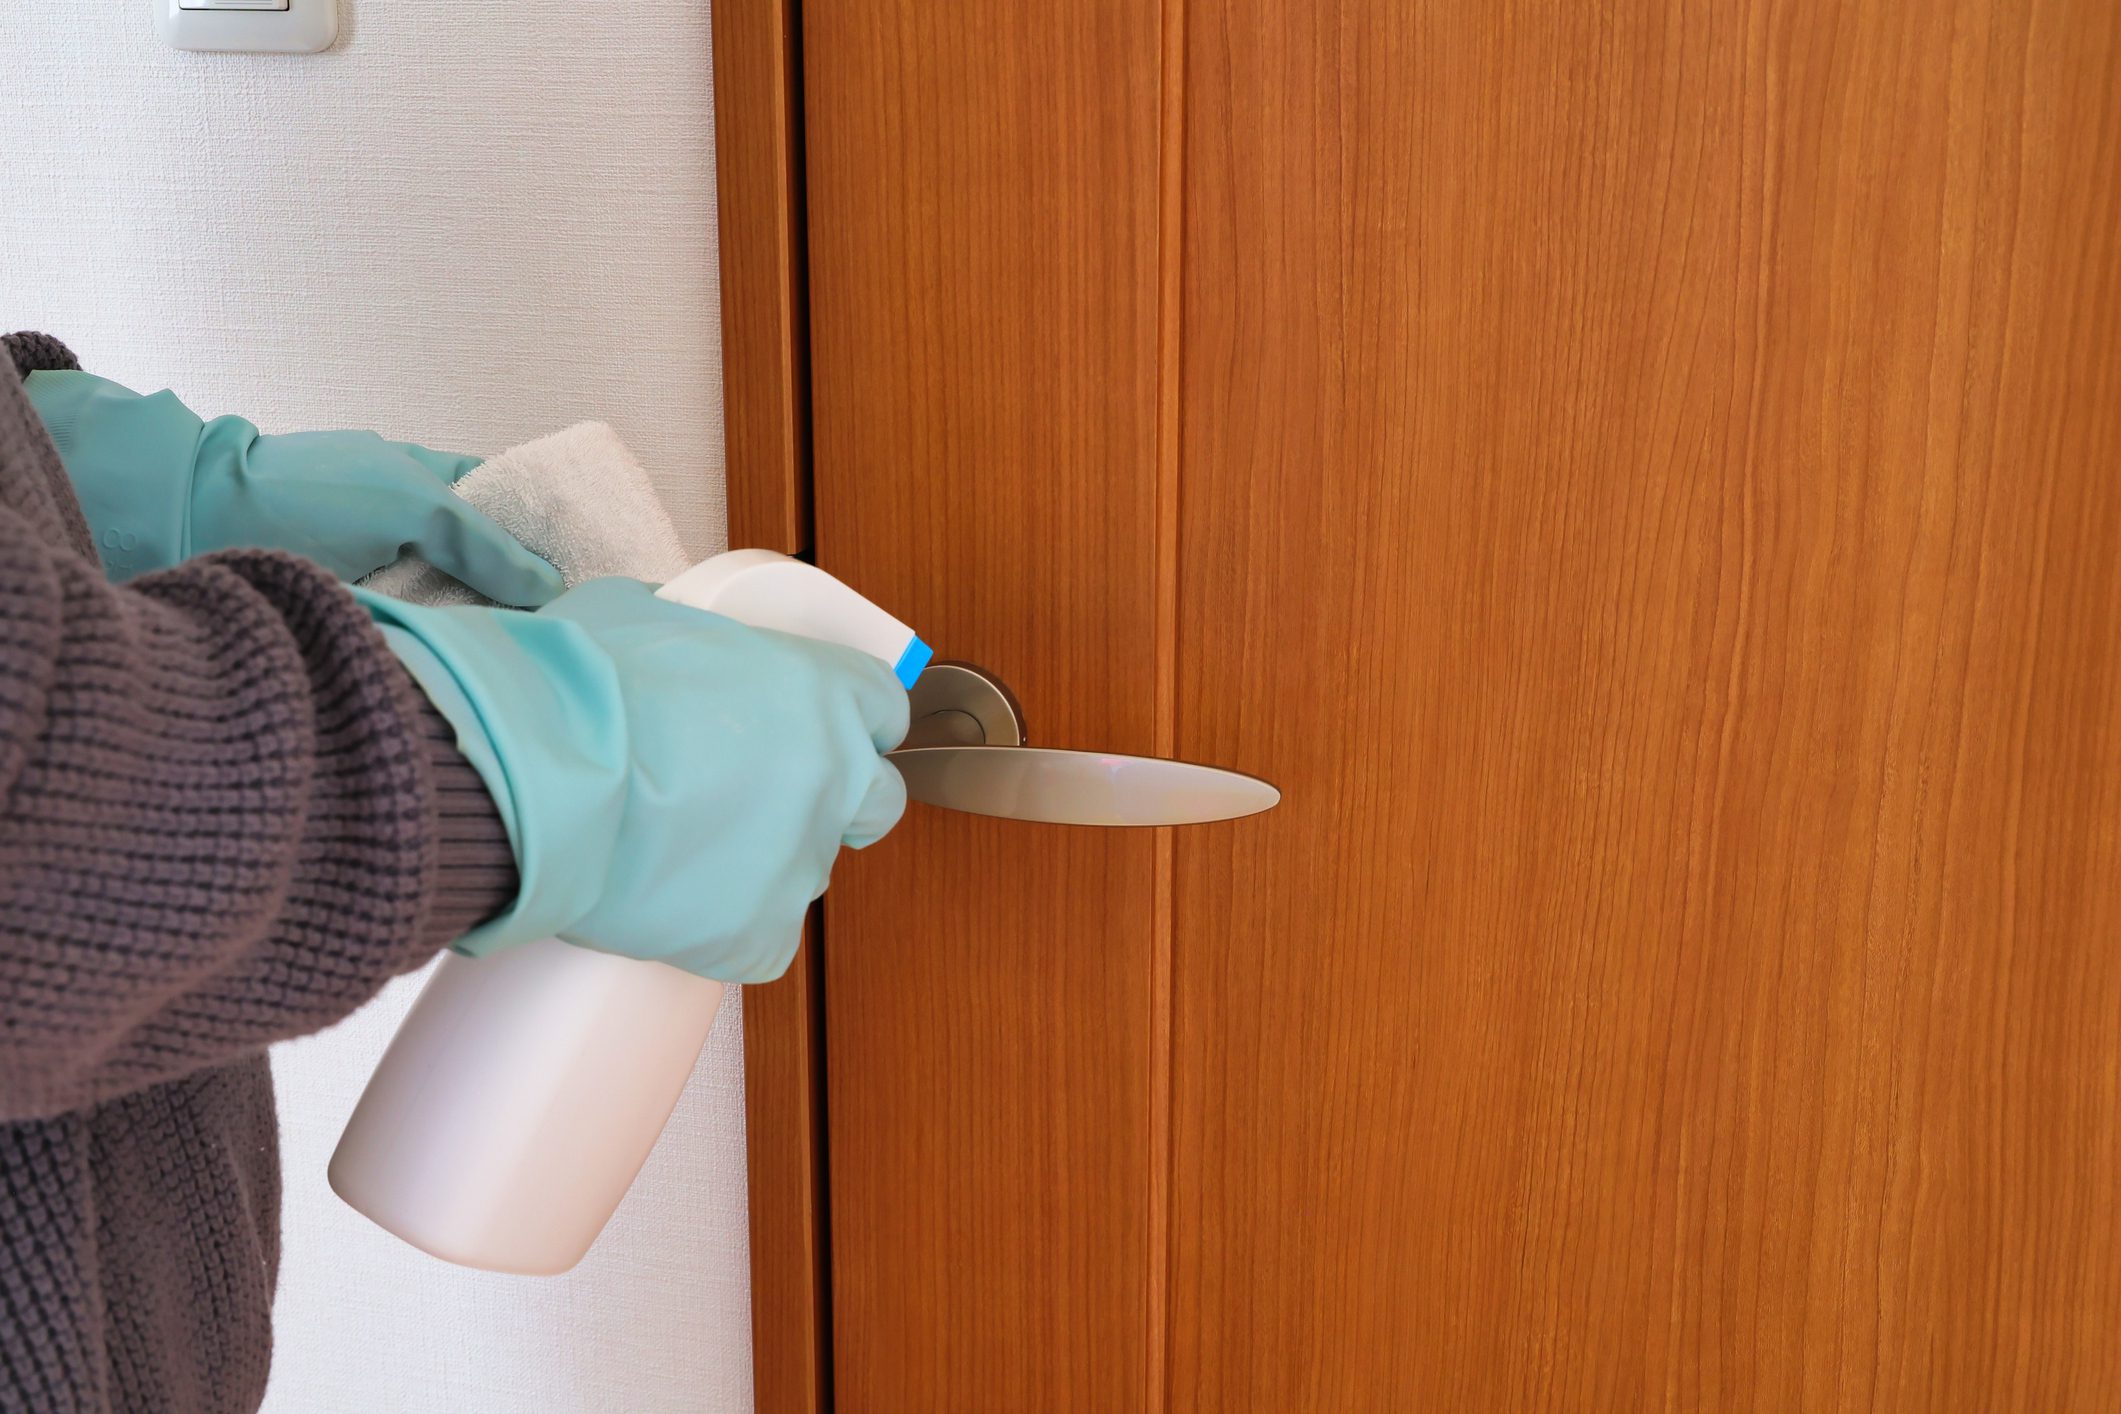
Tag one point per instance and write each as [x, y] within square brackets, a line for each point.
[227, 817]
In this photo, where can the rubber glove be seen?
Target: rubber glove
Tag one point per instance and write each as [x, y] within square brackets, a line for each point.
[675, 784]
[159, 485]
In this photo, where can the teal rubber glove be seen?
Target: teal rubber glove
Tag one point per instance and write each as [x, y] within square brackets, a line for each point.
[160, 485]
[675, 784]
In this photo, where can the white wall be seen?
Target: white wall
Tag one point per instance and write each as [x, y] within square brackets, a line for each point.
[469, 224]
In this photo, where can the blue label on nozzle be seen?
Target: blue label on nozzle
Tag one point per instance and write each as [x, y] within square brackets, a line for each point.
[911, 662]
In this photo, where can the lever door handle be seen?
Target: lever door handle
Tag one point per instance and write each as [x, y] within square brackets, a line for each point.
[965, 751]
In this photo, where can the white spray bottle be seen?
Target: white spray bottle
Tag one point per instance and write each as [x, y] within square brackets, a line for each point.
[524, 1090]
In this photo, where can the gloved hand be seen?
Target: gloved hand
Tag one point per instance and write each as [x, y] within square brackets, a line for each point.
[159, 485]
[675, 784]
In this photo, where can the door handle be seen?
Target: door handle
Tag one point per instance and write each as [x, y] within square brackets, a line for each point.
[964, 750]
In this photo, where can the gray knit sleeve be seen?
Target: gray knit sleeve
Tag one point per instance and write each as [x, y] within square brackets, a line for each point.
[226, 818]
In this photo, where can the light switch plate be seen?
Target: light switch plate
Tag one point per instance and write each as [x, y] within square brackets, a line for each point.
[304, 27]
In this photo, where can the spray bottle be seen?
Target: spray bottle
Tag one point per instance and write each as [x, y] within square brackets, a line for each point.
[524, 1090]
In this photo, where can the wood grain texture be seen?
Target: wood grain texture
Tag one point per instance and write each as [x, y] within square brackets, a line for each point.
[765, 420]
[784, 1156]
[1651, 495]
[758, 179]
[983, 203]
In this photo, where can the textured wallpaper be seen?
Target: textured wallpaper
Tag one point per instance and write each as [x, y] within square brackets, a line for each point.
[470, 224]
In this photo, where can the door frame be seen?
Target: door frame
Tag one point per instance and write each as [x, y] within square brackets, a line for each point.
[766, 421]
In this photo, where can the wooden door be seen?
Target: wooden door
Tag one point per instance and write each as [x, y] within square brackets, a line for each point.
[1645, 480]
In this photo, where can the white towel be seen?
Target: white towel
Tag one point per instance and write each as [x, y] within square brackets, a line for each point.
[578, 499]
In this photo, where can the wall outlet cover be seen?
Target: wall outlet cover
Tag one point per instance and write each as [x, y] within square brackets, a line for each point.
[304, 27]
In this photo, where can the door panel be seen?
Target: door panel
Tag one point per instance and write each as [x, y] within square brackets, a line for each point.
[1643, 480]
[1649, 494]
[982, 190]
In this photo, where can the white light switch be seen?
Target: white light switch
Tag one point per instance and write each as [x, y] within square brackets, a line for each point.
[264, 26]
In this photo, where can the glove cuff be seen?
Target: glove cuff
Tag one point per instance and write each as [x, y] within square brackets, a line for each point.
[537, 711]
[131, 461]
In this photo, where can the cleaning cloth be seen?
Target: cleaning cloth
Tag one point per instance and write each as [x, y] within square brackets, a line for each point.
[576, 499]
